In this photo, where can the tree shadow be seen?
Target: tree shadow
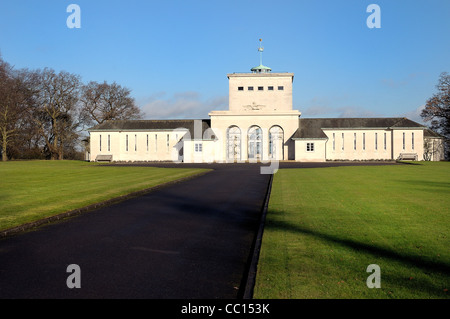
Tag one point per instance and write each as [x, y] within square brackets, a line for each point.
[427, 186]
[427, 266]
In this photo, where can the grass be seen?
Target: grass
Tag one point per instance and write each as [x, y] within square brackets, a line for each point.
[325, 226]
[32, 190]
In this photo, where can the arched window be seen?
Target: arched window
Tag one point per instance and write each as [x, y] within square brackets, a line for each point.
[234, 143]
[276, 139]
[254, 142]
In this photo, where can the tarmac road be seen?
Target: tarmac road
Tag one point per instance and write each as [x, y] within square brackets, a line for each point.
[189, 240]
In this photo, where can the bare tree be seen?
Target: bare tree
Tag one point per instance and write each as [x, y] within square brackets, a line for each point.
[103, 102]
[437, 108]
[56, 113]
[15, 101]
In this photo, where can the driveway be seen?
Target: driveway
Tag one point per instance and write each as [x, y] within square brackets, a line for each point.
[188, 240]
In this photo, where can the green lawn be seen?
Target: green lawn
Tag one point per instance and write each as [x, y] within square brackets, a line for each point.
[325, 226]
[31, 190]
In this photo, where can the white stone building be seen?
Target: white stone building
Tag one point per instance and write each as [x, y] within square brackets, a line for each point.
[261, 125]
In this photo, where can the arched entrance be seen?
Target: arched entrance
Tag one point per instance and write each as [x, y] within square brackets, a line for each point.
[276, 138]
[254, 142]
[234, 143]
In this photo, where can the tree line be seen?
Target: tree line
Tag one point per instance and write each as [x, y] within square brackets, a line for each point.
[44, 113]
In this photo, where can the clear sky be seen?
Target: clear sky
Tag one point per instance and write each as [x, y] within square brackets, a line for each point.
[175, 54]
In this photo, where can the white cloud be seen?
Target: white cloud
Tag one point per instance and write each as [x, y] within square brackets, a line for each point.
[182, 105]
[343, 111]
[352, 111]
[414, 115]
[394, 84]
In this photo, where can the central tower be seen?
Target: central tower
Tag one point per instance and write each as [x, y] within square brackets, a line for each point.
[260, 119]
[260, 90]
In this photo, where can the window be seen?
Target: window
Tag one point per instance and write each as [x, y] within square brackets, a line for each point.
[126, 142]
[385, 141]
[412, 140]
[404, 141]
[240, 88]
[334, 141]
[254, 140]
[156, 142]
[198, 147]
[280, 88]
[234, 143]
[276, 137]
[376, 141]
[364, 141]
[354, 141]
[147, 142]
[342, 141]
[135, 142]
[270, 88]
[109, 143]
[250, 88]
[260, 88]
[167, 142]
[100, 143]
[310, 147]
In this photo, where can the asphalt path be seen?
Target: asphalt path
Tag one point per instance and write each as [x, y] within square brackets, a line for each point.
[188, 240]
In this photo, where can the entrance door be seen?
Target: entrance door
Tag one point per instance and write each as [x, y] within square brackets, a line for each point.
[276, 137]
[254, 142]
[234, 143]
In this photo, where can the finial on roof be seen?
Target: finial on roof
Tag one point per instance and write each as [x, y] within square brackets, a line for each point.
[261, 68]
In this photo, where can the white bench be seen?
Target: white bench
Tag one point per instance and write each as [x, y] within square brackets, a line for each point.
[408, 157]
[104, 158]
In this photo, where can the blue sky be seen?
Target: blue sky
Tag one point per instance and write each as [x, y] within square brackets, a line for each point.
[174, 55]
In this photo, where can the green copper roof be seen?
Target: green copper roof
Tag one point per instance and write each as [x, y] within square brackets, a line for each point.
[261, 68]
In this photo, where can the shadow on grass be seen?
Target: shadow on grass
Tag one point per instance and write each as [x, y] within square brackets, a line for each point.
[408, 260]
[434, 184]
[408, 162]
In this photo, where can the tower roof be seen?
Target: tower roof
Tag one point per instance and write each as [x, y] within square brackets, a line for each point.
[261, 69]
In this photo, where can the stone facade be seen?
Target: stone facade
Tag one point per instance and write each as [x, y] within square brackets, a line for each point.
[261, 125]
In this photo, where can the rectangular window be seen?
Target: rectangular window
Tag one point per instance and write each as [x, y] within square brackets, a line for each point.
[100, 142]
[364, 141]
[240, 88]
[250, 88]
[147, 142]
[385, 141]
[412, 141]
[342, 141]
[280, 88]
[310, 147]
[135, 142]
[376, 141]
[334, 141]
[198, 147]
[260, 88]
[354, 141]
[404, 141]
[126, 143]
[156, 142]
[109, 143]
[270, 88]
[167, 142]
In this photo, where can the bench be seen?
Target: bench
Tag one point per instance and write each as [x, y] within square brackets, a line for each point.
[104, 158]
[408, 157]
